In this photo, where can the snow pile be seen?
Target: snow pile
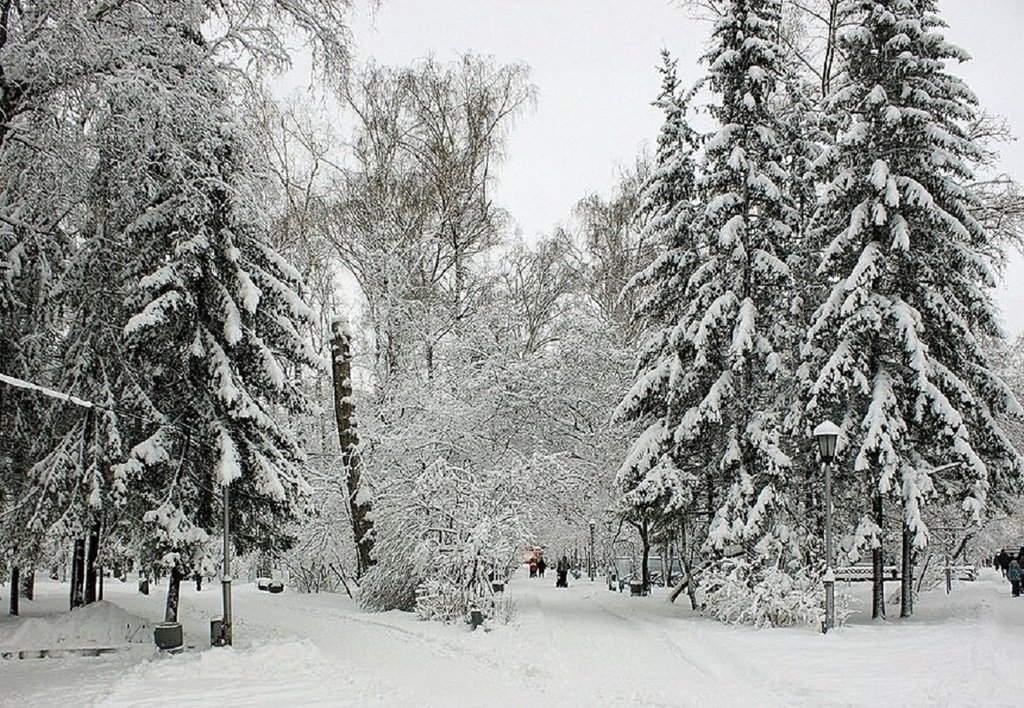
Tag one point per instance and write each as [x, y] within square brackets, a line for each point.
[100, 624]
[289, 673]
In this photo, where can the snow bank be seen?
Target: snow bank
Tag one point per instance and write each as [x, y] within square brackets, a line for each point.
[100, 624]
[293, 672]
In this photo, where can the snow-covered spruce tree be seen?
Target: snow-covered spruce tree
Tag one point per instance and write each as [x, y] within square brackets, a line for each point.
[894, 353]
[733, 387]
[653, 482]
[215, 338]
[62, 60]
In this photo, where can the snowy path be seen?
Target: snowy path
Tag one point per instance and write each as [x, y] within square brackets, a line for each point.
[584, 646]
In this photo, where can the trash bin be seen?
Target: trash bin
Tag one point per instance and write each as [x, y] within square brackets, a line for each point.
[217, 632]
[497, 586]
[168, 636]
[476, 618]
[144, 586]
[636, 588]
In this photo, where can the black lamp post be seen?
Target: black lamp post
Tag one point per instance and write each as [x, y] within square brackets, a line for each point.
[593, 561]
[827, 434]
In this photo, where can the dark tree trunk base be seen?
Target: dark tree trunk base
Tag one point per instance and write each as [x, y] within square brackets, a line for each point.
[15, 608]
[173, 595]
[78, 574]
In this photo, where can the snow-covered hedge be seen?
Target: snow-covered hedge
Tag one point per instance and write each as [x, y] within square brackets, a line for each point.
[732, 592]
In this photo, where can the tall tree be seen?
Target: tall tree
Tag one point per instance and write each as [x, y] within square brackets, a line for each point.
[655, 479]
[415, 216]
[894, 352]
[357, 492]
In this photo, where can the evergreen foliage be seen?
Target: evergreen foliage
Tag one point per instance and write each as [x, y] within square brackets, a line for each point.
[895, 350]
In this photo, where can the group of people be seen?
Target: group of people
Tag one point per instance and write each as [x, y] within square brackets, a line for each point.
[1010, 567]
[538, 565]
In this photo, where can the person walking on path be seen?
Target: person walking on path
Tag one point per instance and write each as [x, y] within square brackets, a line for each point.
[1014, 575]
[533, 568]
[562, 570]
[541, 566]
[1004, 561]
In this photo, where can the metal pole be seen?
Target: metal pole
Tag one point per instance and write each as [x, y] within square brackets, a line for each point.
[225, 582]
[830, 578]
[593, 562]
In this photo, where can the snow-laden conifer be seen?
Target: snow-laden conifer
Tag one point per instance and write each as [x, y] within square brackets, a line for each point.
[733, 384]
[894, 351]
[650, 479]
[211, 334]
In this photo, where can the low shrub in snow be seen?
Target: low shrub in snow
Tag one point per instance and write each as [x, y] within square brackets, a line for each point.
[731, 591]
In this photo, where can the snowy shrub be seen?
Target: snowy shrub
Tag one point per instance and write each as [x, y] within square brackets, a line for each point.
[321, 559]
[505, 611]
[777, 598]
[443, 600]
[391, 583]
[440, 546]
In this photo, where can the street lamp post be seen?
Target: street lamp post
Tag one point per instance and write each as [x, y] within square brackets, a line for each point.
[827, 434]
[225, 583]
[592, 560]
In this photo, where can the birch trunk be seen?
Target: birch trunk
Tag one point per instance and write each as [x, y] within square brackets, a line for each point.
[360, 505]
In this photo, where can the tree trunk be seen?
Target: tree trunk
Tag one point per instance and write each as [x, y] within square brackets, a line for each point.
[360, 505]
[907, 573]
[92, 552]
[28, 584]
[645, 570]
[878, 562]
[666, 564]
[173, 594]
[684, 559]
[78, 574]
[15, 582]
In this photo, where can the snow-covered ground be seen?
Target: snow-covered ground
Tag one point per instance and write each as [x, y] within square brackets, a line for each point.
[584, 646]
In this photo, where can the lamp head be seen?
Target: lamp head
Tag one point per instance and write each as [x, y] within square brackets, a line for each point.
[827, 434]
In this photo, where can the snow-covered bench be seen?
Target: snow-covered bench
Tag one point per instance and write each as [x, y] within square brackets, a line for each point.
[58, 653]
[857, 573]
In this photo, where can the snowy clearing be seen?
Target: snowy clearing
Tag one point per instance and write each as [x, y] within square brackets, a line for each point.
[582, 646]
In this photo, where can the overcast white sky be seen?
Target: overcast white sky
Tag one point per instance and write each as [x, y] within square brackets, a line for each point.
[594, 61]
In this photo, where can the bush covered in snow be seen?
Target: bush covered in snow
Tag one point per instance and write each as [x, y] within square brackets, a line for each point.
[440, 547]
[778, 599]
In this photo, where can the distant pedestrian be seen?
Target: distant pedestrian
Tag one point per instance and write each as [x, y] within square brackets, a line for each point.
[1013, 573]
[533, 568]
[541, 566]
[562, 570]
[1004, 561]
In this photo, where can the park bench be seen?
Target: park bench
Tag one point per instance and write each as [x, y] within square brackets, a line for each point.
[861, 573]
[57, 653]
[964, 572]
[864, 573]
